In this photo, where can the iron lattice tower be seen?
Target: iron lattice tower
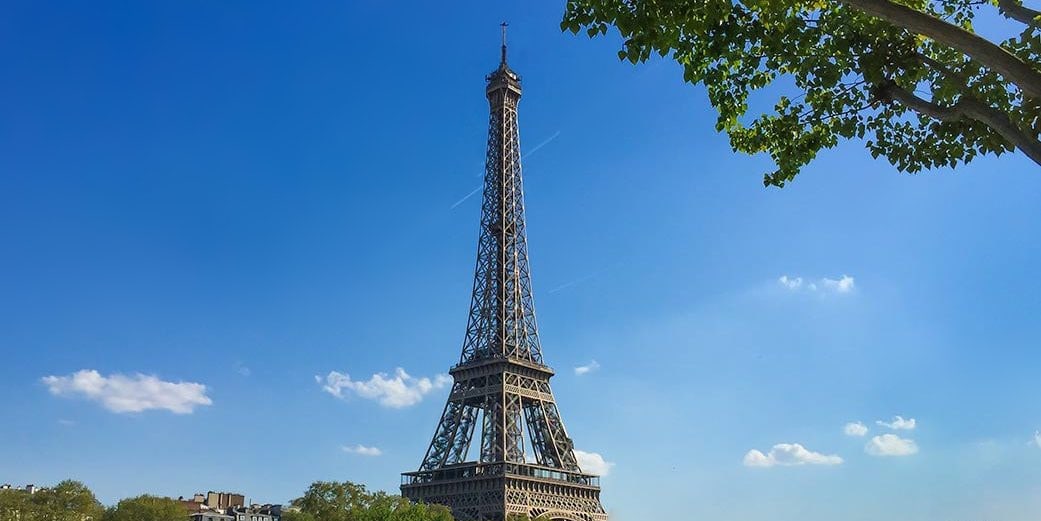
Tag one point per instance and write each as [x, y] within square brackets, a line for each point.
[526, 461]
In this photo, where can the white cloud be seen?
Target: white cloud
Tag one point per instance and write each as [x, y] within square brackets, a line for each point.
[66, 423]
[1037, 439]
[845, 284]
[855, 429]
[899, 424]
[789, 454]
[362, 450]
[400, 390]
[588, 368]
[593, 463]
[120, 393]
[890, 445]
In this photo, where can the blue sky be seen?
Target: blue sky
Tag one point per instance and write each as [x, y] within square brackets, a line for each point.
[247, 197]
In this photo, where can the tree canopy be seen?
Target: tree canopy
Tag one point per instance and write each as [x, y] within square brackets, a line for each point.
[346, 501]
[66, 501]
[323, 501]
[147, 508]
[910, 78]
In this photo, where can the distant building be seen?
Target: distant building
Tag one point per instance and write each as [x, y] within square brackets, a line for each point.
[228, 506]
[272, 510]
[29, 489]
[193, 505]
[209, 515]
[224, 500]
[256, 513]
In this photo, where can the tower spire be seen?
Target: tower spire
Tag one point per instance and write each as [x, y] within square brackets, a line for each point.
[504, 25]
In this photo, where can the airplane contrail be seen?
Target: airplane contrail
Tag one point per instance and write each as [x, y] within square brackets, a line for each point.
[530, 152]
[465, 197]
[575, 282]
[584, 278]
[540, 145]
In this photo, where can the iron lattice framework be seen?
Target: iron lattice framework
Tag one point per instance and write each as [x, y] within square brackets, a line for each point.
[526, 461]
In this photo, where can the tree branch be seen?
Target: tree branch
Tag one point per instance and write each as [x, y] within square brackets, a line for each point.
[832, 115]
[966, 107]
[986, 52]
[1017, 11]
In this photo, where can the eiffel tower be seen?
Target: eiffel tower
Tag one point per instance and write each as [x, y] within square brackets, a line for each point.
[526, 462]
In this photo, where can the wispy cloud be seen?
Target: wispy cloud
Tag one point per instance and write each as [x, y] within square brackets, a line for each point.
[855, 429]
[66, 423]
[588, 368]
[362, 450]
[400, 390]
[890, 445]
[1037, 439]
[842, 285]
[845, 284]
[593, 463]
[790, 282]
[899, 424]
[788, 454]
[124, 394]
[242, 370]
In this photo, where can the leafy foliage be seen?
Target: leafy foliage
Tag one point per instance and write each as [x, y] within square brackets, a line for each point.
[346, 501]
[67, 501]
[838, 73]
[146, 508]
[323, 501]
[12, 504]
[296, 515]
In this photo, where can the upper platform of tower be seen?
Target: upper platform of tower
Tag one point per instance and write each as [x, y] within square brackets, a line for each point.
[504, 77]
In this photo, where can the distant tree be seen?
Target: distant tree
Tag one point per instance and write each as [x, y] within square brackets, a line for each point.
[332, 501]
[423, 512]
[911, 77]
[297, 515]
[346, 501]
[147, 508]
[14, 505]
[70, 501]
[66, 501]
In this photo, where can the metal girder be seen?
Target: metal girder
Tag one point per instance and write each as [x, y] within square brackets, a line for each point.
[502, 312]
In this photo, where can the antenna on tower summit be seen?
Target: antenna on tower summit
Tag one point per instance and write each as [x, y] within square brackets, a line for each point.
[504, 25]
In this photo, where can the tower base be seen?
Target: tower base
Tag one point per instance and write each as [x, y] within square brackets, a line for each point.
[494, 491]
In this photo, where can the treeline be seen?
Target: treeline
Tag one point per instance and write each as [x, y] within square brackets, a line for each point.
[346, 501]
[68, 501]
[323, 501]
